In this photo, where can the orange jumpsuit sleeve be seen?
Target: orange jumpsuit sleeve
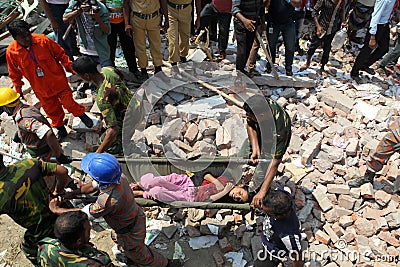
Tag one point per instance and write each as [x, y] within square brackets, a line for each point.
[59, 55]
[14, 73]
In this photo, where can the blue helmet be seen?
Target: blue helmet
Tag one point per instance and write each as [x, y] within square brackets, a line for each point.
[102, 167]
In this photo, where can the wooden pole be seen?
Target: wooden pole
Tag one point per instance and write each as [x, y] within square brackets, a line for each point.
[267, 55]
[214, 89]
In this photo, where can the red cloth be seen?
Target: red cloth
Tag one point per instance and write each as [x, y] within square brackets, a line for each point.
[223, 6]
[207, 189]
[52, 89]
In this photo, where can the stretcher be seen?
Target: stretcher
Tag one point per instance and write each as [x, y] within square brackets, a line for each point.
[134, 168]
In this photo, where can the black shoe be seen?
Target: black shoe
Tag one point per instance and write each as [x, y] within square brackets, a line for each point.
[144, 74]
[268, 68]
[175, 263]
[86, 120]
[356, 78]
[157, 69]
[62, 132]
[369, 71]
[183, 59]
[81, 90]
[248, 74]
[289, 73]
[367, 178]
[136, 72]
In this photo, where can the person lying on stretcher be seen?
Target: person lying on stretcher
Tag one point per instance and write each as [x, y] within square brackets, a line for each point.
[179, 187]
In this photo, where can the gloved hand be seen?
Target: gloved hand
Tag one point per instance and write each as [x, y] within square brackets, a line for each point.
[16, 138]
[62, 159]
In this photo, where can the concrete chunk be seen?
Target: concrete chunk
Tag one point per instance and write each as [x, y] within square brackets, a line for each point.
[191, 132]
[332, 97]
[310, 148]
[338, 189]
[367, 191]
[346, 201]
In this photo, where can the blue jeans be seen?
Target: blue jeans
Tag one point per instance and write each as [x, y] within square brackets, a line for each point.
[69, 45]
[289, 38]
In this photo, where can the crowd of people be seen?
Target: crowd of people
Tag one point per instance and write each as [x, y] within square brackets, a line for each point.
[58, 234]
[99, 24]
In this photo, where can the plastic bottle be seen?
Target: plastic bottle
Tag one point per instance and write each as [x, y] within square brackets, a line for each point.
[339, 39]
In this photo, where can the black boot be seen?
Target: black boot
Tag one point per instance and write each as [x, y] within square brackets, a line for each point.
[144, 74]
[86, 120]
[367, 178]
[157, 69]
[62, 132]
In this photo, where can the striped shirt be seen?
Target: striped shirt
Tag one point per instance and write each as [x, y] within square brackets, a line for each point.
[324, 9]
[250, 9]
[281, 237]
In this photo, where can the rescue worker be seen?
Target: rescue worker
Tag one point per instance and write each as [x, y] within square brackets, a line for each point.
[116, 204]
[385, 149]
[262, 113]
[33, 130]
[179, 17]
[141, 18]
[113, 98]
[24, 196]
[72, 246]
[41, 60]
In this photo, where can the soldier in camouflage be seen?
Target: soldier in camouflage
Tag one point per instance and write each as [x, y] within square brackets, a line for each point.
[72, 246]
[24, 196]
[269, 131]
[34, 131]
[113, 99]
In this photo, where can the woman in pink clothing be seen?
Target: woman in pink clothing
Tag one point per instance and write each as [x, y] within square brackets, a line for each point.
[179, 187]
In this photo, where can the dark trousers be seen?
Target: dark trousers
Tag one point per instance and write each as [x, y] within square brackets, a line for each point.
[289, 37]
[367, 56]
[391, 57]
[298, 20]
[118, 30]
[244, 40]
[326, 43]
[208, 14]
[212, 24]
[69, 45]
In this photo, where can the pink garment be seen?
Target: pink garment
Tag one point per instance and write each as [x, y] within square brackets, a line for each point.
[173, 187]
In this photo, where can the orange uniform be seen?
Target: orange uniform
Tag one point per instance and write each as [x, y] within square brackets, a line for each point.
[49, 83]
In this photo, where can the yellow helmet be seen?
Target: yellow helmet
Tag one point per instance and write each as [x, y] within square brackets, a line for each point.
[7, 96]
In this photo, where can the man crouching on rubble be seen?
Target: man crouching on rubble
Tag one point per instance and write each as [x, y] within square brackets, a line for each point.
[281, 230]
[113, 98]
[117, 205]
[262, 113]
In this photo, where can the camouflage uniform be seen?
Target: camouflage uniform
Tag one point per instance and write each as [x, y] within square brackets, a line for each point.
[52, 254]
[32, 128]
[24, 197]
[389, 145]
[113, 98]
[117, 205]
[271, 147]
